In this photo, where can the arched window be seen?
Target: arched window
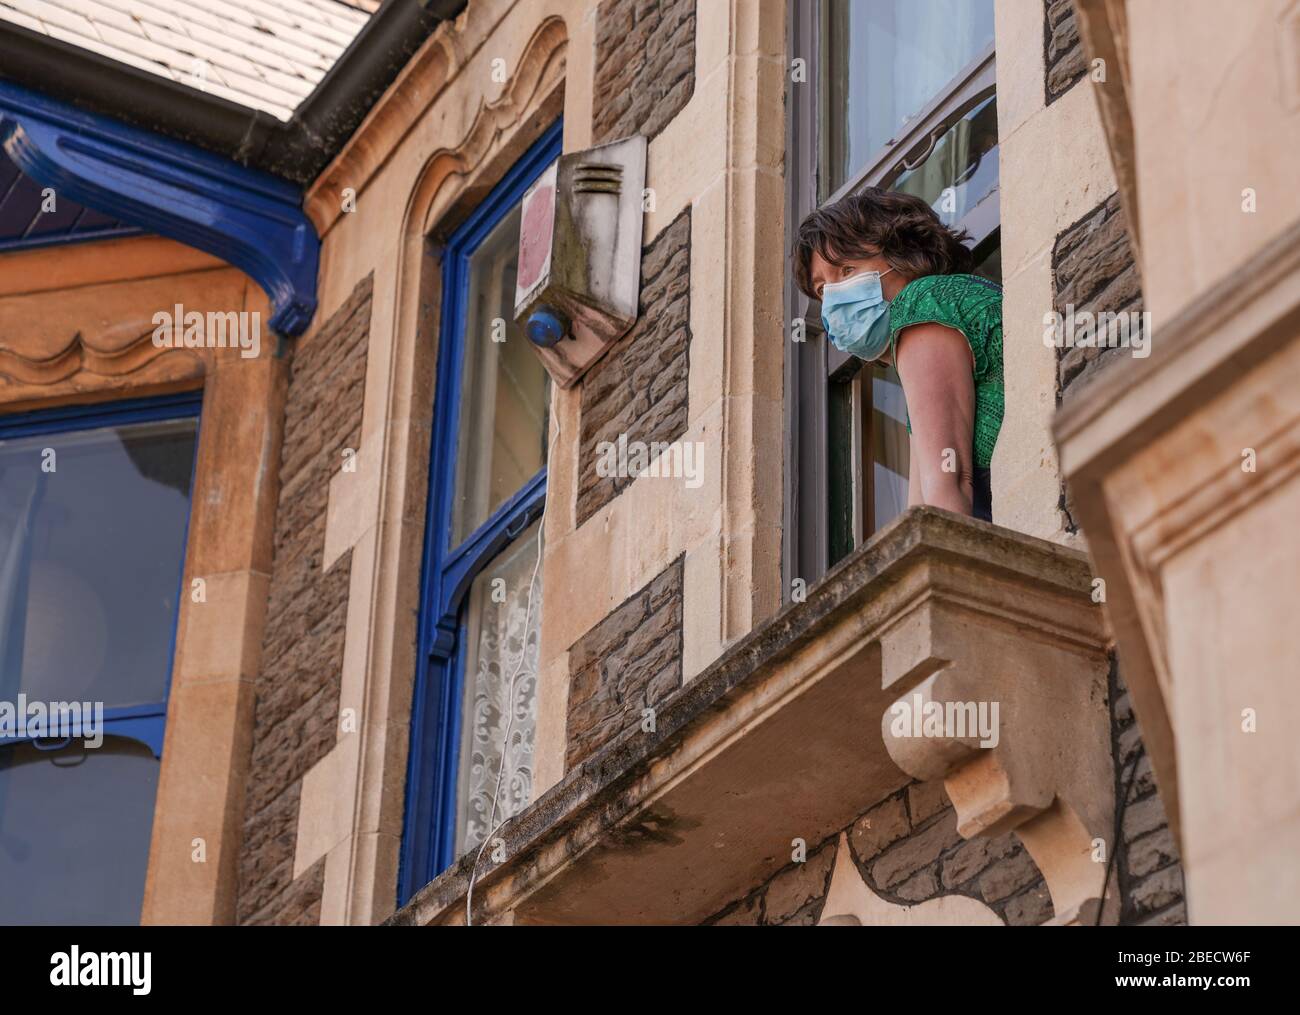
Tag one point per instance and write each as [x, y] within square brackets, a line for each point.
[480, 613]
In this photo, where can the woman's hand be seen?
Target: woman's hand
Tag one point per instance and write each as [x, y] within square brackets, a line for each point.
[936, 367]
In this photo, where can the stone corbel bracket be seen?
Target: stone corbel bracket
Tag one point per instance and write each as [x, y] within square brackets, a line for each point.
[1006, 686]
[774, 740]
[247, 218]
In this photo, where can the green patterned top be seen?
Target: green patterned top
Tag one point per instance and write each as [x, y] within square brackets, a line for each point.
[973, 306]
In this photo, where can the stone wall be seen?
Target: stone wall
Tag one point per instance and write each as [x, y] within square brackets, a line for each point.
[295, 722]
[630, 661]
[645, 66]
[907, 850]
[1064, 58]
[1093, 271]
[639, 389]
[1148, 867]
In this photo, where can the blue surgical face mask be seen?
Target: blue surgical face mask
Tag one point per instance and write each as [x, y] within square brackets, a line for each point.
[856, 316]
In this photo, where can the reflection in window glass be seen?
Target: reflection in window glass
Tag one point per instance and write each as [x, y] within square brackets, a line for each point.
[494, 639]
[505, 389]
[890, 450]
[962, 169]
[90, 561]
[74, 831]
[989, 265]
[842, 490]
[882, 62]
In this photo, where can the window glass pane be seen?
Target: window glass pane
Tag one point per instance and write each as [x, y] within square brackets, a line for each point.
[504, 389]
[91, 549]
[988, 260]
[889, 445]
[495, 640]
[74, 831]
[841, 490]
[961, 170]
[882, 62]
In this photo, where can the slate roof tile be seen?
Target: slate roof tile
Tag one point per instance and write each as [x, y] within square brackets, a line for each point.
[262, 54]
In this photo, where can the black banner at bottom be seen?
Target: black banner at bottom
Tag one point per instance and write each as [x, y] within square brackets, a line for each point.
[337, 964]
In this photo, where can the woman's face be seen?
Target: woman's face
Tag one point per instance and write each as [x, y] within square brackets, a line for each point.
[823, 271]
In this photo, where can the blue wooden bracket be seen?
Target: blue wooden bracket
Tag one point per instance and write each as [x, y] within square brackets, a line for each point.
[246, 217]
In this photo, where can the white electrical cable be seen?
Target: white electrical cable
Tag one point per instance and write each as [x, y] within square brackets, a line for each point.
[510, 697]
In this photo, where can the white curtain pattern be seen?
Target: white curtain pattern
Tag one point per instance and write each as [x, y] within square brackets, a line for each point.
[496, 641]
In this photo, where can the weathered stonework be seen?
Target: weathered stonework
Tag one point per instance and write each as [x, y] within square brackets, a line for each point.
[630, 661]
[1064, 57]
[1148, 866]
[645, 66]
[639, 389]
[1093, 270]
[296, 717]
[630, 835]
[907, 850]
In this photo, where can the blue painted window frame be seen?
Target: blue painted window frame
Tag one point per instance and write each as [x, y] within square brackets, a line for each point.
[428, 831]
[145, 723]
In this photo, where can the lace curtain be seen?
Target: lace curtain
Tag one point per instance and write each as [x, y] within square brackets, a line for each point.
[496, 639]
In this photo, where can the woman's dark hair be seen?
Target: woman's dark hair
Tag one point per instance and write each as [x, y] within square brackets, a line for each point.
[900, 227]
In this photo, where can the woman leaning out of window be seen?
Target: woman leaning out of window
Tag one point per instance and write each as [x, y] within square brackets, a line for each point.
[894, 284]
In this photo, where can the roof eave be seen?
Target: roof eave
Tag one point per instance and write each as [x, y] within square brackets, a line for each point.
[296, 151]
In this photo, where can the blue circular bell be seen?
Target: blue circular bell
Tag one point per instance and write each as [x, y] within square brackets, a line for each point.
[546, 327]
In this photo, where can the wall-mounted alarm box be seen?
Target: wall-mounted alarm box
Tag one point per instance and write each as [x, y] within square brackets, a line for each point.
[580, 256]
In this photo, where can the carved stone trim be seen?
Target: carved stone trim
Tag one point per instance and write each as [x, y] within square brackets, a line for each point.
[539, 73]
[419, 87]
[81, 356]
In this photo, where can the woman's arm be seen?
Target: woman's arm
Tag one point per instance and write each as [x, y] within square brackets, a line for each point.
[934, 364]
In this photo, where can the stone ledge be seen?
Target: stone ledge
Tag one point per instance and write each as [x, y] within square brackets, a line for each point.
[778, 738]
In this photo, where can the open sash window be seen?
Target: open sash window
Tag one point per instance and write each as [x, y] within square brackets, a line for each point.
[896, 94]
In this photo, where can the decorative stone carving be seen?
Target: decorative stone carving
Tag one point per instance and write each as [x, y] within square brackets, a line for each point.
[539, 70]
[138, 357]
[1046, 771]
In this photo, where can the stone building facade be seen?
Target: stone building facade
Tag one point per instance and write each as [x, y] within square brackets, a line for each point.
[695, 729]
